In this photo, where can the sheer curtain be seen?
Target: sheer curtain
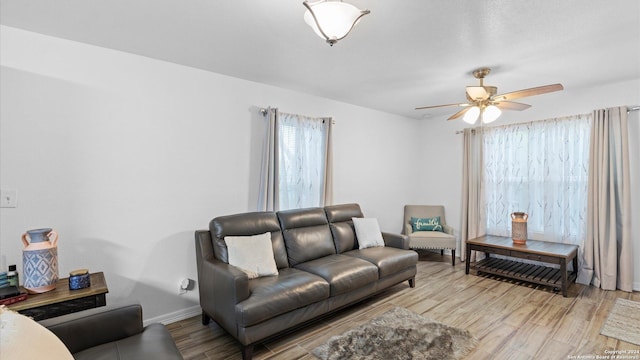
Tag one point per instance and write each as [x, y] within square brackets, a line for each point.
[297, 162]
[302, 160]
[608, 249]
[540, 168]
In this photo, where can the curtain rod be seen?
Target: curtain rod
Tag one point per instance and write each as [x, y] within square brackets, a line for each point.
[629, 109]
[263, 111]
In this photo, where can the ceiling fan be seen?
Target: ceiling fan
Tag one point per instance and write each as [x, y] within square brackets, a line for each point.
[483, 101]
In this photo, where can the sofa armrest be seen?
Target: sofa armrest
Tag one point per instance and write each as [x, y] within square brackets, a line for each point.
[89, 328]
[229, 280]
[395, 240]
[221, 287]
[447, 229]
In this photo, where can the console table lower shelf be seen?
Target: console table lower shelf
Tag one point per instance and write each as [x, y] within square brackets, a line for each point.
[537, 274]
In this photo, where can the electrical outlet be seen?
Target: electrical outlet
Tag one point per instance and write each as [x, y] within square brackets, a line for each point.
[8, 198]
[184, 286]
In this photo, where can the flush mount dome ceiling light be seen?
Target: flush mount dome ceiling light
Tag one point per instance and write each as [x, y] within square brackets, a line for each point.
[332, 20]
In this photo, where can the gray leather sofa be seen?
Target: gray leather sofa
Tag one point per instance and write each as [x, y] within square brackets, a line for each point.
[320, 269]
[113, 332]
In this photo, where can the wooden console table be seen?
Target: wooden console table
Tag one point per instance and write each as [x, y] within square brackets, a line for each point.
[543, 251]
[62, 301]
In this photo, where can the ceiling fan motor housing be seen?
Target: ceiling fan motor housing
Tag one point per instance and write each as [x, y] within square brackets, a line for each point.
[480, 93]
[481, 73]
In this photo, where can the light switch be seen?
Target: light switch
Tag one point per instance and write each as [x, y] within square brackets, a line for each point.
[8, 198]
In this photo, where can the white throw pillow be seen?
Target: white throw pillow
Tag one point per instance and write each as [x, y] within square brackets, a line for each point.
[368, 232]
[252, 254]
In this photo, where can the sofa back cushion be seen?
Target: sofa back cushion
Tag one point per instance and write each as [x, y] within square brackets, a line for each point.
[248, 224]
[306, 234]
[341, 225]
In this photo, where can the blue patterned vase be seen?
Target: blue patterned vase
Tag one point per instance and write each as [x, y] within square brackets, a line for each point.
[40, 260]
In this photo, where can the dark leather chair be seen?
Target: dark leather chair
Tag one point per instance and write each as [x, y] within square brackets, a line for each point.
[114, 332]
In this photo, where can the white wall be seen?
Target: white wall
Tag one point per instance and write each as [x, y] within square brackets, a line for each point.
[441, 181]
[126, 156]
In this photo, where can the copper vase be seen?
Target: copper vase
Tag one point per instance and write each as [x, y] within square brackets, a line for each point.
[519, 228]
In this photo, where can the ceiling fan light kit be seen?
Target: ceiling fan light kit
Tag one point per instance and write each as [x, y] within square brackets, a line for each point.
[332, 20]
[488, 114]
[485, 104]
[471, 115]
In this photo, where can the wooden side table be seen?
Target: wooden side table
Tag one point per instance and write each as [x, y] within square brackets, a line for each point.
[62, 301]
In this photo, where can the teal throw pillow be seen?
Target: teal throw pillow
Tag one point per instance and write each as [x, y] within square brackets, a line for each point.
[426, 224]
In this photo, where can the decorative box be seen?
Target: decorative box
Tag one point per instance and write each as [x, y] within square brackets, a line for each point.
[79, 279]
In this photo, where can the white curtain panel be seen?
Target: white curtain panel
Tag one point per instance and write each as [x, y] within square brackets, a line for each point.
[608, 253]
[268, 193]
[328, 164]
[540, 168]
[473, 203]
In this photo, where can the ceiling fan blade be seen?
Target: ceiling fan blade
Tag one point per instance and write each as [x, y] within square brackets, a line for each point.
[477, 93]
[437, 106]
[459, 113]
[528, 92]
[511, 105]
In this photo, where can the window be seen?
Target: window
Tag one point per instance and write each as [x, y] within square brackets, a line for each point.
[302, 148]
[296, 164]
[540, 168]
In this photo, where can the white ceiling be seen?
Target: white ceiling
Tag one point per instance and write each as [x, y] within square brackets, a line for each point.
[403, 55]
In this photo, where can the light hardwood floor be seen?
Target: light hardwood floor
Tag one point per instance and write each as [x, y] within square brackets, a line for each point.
[511, 320]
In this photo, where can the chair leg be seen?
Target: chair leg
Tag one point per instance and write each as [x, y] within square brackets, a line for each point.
[441, 252]
[453, 257]
[412, 282]
[205, 318]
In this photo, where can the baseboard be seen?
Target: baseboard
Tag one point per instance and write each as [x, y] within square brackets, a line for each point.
[174, 316]
[197, 311]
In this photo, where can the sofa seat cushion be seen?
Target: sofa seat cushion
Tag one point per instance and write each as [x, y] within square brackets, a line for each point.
[344, 273]
[275, 295]
[431, 240]
[154, 343]
[388, 260]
